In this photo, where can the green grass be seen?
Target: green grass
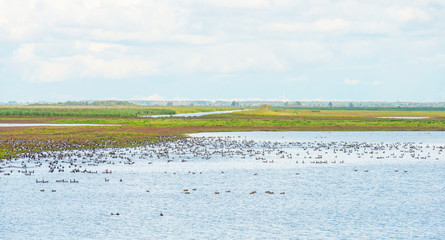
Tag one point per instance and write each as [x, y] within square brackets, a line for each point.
[81, 111]
[333, 113]
[4, 153]
[132, 129]
[247, 120]
[94, 111]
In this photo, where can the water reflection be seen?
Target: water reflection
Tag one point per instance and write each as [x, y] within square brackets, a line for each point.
[193, 114]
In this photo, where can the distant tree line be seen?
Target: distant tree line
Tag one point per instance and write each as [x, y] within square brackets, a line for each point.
[103, 103]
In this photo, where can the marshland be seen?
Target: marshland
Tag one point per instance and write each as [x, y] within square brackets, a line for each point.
[231, 119]
[324, 173]
[127, 126]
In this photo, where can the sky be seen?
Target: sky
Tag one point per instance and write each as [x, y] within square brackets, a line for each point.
[367, 50]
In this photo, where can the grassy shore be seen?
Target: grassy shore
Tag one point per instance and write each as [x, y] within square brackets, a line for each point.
[133, 130]
[96, 111]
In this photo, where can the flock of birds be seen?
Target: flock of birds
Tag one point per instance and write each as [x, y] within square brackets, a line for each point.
[184, 150]
[205, 148]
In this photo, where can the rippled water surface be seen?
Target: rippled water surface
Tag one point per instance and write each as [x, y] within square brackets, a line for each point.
[320, 185]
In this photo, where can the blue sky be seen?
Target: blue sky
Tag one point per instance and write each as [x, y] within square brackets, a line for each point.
[230, 49]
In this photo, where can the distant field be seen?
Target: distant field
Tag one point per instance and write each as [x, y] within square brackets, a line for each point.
[335, 113]
[95, 111]
[133, 129]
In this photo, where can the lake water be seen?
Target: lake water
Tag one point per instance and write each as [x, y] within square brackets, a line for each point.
[199, 114]
[325, 185]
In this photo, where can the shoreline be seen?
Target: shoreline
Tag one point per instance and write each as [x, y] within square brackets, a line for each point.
[37, 133]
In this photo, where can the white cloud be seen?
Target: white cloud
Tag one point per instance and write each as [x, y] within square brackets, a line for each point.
[359, 49]
[48, 72]
[130, 39]
[306, 51]
[66, 68]
[24, 53]
[231, 58]
[224, 78]
[93, 20]
[299, 79]
[331, 26]
[321, 25]
[376, 82]
[193, 39]
[116, 68]
[38, 70]
[87, 59]
[438, 59]
[238, 65]
[409, 14]
[348, 81]
[254, 4]
[98, 47]
[284, 27]
[154, 97]
[328, 25]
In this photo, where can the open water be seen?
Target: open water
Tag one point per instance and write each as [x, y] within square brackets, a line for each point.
[198, 114]
[256, 185]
